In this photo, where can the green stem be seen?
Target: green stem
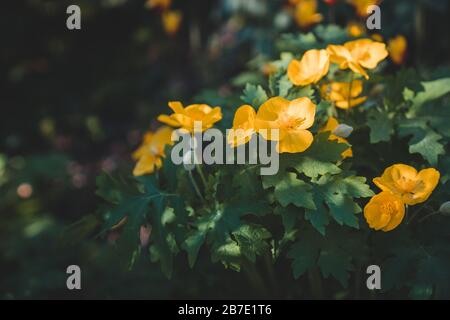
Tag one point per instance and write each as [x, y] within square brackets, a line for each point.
[414, 215]
[201, 174]
[315, 282]
[254, 277]
[196, 188]
[269, 266]
[428, 215]
[350, 87]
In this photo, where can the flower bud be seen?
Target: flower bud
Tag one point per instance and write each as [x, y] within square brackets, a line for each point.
[445, 208]
[343, 130]
[144, 235]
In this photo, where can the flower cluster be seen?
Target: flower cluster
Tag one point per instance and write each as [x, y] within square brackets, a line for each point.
[171, 19]
[401, 185]
[293, 119]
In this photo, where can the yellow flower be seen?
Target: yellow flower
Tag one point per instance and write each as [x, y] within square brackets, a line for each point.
[358, 54]
[355, 29]
[306, 13]
[149, 155]
[311, 68]
[384, 211]
[268, 68]
[185, 117]
[243, 126]
[171, 21]
[397, 49]
[377, 37]
[339, 92]
[330, 126]
[162, 4]
[405, 182]
[362, 5]
[292, 118]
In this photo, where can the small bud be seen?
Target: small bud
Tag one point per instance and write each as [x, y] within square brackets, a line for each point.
[343, 130]
[445, 208]
[144, 235]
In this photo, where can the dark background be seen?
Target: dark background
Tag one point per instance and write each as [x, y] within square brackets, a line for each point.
[75, 103]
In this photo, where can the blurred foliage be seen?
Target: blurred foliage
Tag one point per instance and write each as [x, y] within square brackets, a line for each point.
[75, 104]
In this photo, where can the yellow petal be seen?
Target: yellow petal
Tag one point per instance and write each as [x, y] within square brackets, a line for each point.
[355, 29]
[145, 165]
[311, 68]
[331, 124]
[355, 67]
[171, 21]
[176, 106]
[168, 120]
[427, 180]
[339, 55]
[294, 141]
[397, 49]
[305, 13]
[305, 109]
[270, 110]
[366, 52]
[384, 211]
[343, 104]
[243, 126]
[212, 117]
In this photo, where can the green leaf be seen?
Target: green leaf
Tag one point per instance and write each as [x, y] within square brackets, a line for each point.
[192, 246]
[381, 126]
[254, 95]
[353, 186]
[278, 82]
[145, 203]
[337, 192]
[319, 218]
[252, 240]
[428, 146]
[336, 264]
[304, 257]
[424, 140]
[319, 159]
[299, 92]
[331, 34]
[298, 42]
[290, 190]
[432, 90]
[289, 218]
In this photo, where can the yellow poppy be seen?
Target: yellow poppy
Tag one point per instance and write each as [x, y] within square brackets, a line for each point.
[311, 68]
[186, 117]
[405, 182]
[243, 126]
[397, 49]
[149, 155]
[162, 4]
[291, 118]
[339, 92]
[355, 29]
[171, 21]
[358, 54]
[384, 211]
[377, 37]
[361, 6]
[268, 69]
[331, 126]
[306, 13]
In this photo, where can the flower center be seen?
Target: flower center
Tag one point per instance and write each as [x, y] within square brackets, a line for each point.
[290, 122]
[388, 208]
[406, 185]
